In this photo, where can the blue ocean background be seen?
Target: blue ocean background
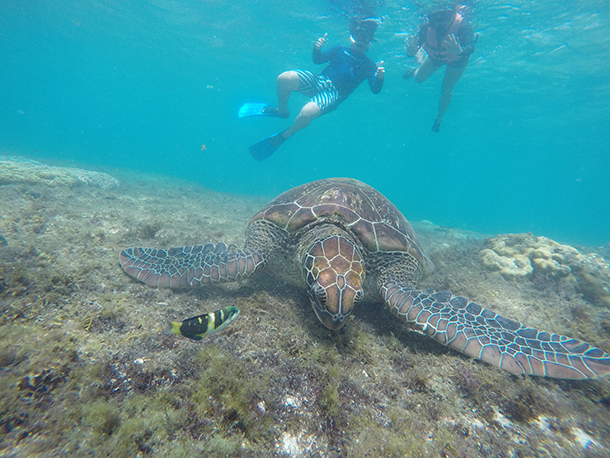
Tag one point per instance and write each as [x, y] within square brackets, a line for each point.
[143, 85]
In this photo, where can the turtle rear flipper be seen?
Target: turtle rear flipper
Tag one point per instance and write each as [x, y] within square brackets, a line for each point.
[190, 265]
[475, 331]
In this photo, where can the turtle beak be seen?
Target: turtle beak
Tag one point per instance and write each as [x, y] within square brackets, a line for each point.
[334, 272]
[334, 322]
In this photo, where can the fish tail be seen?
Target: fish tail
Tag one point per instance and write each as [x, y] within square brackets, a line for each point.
[172, 328]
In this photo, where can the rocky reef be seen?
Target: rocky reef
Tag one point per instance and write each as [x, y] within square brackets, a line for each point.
[521, 257]
[20, 170]
[86, 370]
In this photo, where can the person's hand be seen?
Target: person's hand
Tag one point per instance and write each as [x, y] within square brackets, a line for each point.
[320, 42]
[411, 43]
[380, 71]
[453, 45]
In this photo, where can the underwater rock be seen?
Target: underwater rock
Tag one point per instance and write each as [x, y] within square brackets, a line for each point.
[21, 170]
[592, 272]
[519, 256]
[3, 241]
[605, 250]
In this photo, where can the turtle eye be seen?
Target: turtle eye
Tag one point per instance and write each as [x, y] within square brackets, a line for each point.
[319, 293]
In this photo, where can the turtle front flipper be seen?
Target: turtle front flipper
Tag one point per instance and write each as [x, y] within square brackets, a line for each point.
[471, 329]
[190, 265]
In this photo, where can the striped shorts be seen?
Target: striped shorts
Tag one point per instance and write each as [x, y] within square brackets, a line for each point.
[321, 90]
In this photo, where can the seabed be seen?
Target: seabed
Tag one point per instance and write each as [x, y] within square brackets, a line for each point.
[85, 369]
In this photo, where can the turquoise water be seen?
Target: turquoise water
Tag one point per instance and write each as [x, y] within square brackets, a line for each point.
[142, 85]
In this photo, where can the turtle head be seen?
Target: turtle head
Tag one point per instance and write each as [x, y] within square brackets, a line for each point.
[334, 272]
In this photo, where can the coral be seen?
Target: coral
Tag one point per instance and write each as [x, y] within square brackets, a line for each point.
[517, 266]
[521, 256]
[20, 170]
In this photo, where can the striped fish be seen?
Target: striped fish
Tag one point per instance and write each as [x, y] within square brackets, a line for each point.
[203, 325]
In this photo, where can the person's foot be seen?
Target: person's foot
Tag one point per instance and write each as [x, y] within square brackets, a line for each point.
[275, 112]
[277, 139]
[409, 73]
[436, 127]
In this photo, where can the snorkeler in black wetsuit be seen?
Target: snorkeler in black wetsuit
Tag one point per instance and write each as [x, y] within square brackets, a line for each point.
[348, 68]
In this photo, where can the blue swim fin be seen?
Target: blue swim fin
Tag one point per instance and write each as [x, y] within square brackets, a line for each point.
[257, 109]
[266, 147]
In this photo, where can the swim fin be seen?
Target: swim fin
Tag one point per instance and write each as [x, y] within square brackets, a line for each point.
[266, 147]
[257, 109]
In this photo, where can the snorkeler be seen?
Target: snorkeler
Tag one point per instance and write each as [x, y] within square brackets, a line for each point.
[348, 68]
[448, 39]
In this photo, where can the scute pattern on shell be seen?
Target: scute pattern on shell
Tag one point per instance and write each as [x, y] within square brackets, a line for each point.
[360, 209]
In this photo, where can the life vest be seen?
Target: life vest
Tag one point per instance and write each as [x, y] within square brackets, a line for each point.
[436, 47]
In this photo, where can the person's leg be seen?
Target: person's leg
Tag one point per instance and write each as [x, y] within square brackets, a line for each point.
[427, 68]
[308, 113]
[452, 75]
[286, 83]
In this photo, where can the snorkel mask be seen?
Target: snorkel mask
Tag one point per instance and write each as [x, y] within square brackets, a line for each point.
[441, 20]
[363, 30]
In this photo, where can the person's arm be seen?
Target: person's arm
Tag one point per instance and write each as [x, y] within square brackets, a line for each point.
[415, 42]
[467, 39]
[320, 57]
[376, 78]
[462, 43]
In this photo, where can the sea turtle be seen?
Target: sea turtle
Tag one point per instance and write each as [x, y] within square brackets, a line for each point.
[339, 238]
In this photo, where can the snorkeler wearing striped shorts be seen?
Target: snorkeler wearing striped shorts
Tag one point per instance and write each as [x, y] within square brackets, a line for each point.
[347, 68]
[320, 89]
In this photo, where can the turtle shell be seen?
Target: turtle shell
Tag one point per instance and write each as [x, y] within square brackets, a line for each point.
[356, 206]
